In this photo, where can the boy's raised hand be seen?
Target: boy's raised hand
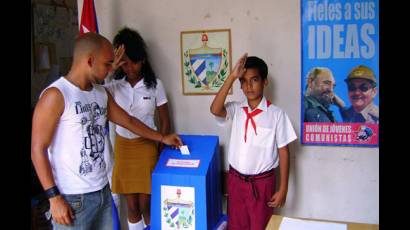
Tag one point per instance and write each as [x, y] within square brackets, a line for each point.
[239, 68]
[217, 106]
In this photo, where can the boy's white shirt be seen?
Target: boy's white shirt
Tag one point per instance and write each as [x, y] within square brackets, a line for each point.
[260, 152]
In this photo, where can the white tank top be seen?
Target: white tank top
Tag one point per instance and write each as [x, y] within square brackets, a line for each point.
[79, 149]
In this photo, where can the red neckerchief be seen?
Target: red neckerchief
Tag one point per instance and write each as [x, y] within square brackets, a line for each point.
[249, 116]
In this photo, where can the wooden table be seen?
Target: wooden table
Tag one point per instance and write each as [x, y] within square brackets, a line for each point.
[275, 221]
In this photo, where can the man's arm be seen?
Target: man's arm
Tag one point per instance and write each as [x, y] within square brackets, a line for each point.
[45, 119]
[117, 115]
[218, 104]
[279, 198]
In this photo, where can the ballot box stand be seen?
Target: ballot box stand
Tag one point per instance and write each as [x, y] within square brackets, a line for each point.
[186, 189]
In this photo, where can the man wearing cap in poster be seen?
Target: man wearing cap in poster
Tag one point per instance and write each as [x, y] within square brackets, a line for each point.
[361, 85]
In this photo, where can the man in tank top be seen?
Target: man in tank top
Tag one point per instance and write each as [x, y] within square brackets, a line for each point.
[70, 140]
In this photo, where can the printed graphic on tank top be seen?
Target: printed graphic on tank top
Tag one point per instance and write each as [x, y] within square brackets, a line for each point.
[93, 136]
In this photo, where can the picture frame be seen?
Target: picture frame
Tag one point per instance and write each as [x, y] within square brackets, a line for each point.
[206, 60]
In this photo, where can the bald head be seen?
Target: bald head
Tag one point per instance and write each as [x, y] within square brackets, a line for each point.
[89, 43]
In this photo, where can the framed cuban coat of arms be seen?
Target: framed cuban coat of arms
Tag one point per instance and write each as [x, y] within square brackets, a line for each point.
[205, 60]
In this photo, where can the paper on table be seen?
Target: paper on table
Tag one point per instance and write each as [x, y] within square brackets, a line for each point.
[297, 224]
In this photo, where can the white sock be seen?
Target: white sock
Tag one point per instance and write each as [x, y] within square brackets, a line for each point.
[143, 222]
[136, 226]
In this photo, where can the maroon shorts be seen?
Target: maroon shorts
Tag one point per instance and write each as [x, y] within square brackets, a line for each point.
[247, 200]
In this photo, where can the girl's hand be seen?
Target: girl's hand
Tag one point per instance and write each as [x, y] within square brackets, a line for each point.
[118, 53]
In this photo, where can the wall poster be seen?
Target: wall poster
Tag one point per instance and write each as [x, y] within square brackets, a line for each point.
[340, 72]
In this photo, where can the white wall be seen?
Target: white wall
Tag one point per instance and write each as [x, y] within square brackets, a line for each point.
[335, 183]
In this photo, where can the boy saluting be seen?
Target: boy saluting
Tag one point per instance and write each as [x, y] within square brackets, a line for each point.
[259, 142]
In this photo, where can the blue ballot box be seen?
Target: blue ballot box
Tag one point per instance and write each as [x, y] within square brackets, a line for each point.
[186, 189]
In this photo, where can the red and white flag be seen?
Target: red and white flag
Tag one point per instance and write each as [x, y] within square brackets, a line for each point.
[88, 18]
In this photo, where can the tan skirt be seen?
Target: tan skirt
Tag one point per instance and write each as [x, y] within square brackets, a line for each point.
[134, 162]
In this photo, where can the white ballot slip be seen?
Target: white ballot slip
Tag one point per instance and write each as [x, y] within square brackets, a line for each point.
[184, 149]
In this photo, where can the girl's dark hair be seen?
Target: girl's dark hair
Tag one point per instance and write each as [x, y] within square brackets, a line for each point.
[136, 50]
